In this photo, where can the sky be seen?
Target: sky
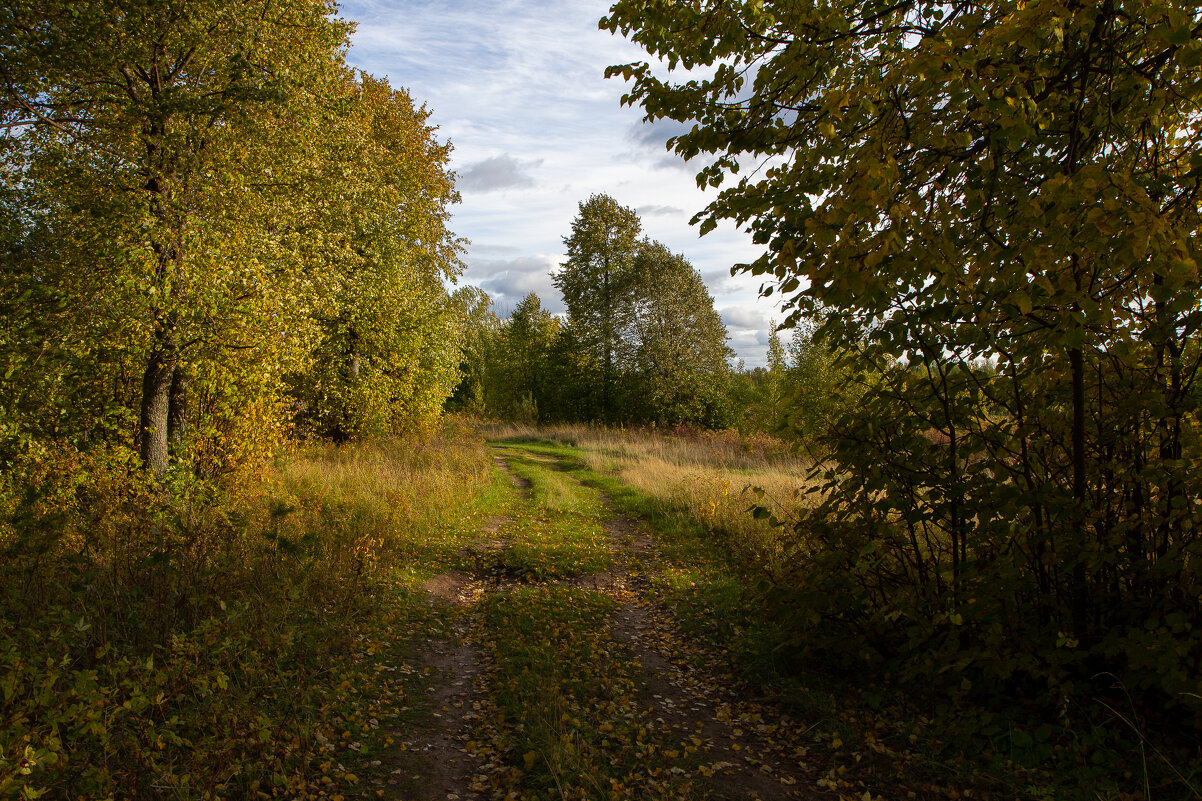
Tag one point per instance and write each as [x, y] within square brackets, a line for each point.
[518, 88]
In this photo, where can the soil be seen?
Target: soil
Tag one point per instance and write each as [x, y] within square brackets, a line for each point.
[519, 482]
[751, 755]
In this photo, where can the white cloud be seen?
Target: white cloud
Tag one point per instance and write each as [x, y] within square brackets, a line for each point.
[508, 281]
[498, 172]
[743, 317]
[495, 250]
[654, 135]
[658, 211]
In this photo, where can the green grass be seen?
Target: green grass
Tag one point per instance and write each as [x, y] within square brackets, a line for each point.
[560, 533]
[566, 709]
[697, 581]
[558, 684]
[565, 691]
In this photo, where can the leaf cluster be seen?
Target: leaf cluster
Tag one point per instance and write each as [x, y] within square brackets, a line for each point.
[204, 206]
[997, 206]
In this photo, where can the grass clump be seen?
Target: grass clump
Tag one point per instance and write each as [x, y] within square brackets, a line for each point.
[556, 686]
[566, 706]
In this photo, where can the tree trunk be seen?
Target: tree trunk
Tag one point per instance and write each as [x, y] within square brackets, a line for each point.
[353, 365]
[177, 410]
[156, 404]
[1079, 590]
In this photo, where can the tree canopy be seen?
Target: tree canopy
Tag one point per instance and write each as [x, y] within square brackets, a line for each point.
[680, 357]
[598, 283]
[645, 318]
[200, 199]
[997, 205]
[641, 342]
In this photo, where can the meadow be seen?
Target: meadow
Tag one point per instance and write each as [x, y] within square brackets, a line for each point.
[612, 593]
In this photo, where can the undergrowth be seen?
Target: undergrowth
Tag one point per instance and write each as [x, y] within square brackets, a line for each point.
[181, 639]
[726, 576]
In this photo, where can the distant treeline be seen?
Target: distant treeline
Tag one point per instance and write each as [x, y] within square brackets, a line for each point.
[641, 343]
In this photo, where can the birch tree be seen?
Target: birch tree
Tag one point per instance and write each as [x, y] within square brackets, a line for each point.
[598, 283]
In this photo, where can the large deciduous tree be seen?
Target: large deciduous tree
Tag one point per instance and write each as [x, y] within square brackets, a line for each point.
[645, 320]
[155, 136]
[598, 283]
[998, 204]
[389, 333]
[480, 332]
[680, 370]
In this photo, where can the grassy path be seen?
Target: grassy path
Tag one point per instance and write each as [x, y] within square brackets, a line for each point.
[559, 676]
[452, 620]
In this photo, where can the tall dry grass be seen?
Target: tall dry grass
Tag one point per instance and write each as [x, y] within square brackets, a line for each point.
[378, 505]
[188, 640]
[682, 445]
[711, 477]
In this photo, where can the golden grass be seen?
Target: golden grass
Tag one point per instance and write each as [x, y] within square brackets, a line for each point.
[683, 446]
[407, 481]
[711, 477]
[379, 505]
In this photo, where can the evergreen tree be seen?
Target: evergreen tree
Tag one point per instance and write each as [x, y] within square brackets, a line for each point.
[529, 337]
